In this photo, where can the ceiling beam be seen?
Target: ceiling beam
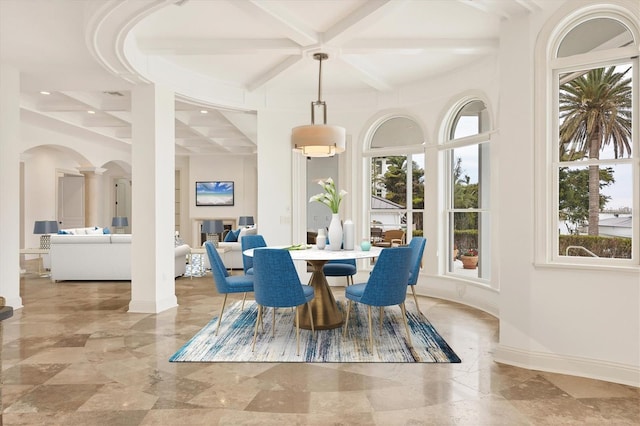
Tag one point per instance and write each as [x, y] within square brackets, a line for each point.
[273, 72]
[367, 75]
[280, 19]
[216, 46]
[364, 17]
[417, 46]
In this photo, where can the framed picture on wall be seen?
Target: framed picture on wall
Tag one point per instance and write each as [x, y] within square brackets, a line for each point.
[215, 193]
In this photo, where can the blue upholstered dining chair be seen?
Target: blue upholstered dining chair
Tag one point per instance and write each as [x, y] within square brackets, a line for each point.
[277, 285]
[417, 245]
[341, 268]
[249, 242]
[386, 286]
[226, 283]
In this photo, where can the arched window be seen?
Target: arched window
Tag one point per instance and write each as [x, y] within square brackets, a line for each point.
[467, 161]
[592, 164]
[395, 155]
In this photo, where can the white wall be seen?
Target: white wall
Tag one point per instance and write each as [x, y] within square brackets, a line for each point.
[237, 168]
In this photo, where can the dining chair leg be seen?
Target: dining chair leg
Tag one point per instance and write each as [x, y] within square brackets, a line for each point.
[406, 324]
[224, 302]
[297, 333]
[273, 322]
[244, 297]
[370, 328]
[313, 330]
[346, 320]
[381, 316]
[415, 298]
[255, 331]
[261, 317]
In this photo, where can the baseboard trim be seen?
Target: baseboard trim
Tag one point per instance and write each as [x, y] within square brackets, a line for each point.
[574, 366]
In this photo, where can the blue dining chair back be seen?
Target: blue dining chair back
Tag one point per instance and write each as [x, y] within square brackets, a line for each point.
[224, 282]
[277, 285]
[386, 286]
[417, 245]
[341, 268]
[250, 242]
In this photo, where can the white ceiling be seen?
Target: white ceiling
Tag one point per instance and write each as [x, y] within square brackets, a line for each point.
[255, 45]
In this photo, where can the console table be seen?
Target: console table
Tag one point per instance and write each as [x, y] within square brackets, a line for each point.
[37, 251]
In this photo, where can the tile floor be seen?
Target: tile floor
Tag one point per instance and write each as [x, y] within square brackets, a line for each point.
[74, 356]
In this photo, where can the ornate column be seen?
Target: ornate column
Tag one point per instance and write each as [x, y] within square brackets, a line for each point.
[94, 196]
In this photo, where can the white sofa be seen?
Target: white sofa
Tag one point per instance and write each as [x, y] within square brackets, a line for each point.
[233, 258]
[99, 257]
[89, 230]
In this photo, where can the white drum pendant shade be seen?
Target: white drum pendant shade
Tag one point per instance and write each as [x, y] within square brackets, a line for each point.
[318, 140]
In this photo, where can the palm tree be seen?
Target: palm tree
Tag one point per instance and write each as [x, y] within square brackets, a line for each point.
[595, 111]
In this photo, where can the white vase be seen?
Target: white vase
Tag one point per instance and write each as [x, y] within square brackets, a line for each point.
[335, 233]
[348, 231]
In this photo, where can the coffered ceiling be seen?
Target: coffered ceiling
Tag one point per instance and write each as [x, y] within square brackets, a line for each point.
[251, 46]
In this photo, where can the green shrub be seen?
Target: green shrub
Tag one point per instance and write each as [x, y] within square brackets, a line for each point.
[613, 247]
[465, 239]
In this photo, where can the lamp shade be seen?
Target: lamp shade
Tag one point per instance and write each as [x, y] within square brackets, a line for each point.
[45, 227]
[120, 221]
[318, 140]
[212, 227]
[245, 221]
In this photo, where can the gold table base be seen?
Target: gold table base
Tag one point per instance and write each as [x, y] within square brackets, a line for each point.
[324, 308]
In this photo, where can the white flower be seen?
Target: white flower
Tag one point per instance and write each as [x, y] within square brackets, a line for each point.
[331, 197]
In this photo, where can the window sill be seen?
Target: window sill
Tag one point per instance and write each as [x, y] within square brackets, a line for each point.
[587, 266]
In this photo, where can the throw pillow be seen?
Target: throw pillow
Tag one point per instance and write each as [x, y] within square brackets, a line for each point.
[230, 237]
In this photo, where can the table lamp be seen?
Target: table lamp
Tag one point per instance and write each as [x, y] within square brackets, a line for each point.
[246, 221]
[119, 223]
[213, 229]
[45, 228]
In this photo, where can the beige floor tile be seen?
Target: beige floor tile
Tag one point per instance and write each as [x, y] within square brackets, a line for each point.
[74, 356]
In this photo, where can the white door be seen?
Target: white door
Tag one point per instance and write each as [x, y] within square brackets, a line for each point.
[71, 202]
[123, 201]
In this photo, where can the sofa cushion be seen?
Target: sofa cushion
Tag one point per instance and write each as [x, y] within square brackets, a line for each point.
[80, 239]
[247, 231]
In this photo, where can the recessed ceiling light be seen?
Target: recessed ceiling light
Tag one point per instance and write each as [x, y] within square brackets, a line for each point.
[204, 111]
[44, 92]
[91, 111]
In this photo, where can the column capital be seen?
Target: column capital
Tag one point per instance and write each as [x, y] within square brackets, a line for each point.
[88, 169]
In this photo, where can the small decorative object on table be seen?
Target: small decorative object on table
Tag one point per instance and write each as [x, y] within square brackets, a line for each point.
[365, 245]
[332, 198]
[469, 259]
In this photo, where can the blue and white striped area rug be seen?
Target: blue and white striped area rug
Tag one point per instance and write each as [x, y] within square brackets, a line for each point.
[233, 343]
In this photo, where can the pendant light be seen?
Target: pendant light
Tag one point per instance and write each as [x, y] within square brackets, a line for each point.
[318, 140]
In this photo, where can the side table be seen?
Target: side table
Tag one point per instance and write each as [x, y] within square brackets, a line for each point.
[37, 251]
[201, 271]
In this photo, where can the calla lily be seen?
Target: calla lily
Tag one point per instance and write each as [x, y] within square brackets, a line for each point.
[331, 198]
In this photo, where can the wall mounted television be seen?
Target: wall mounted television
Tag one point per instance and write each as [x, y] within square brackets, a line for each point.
[214, 193]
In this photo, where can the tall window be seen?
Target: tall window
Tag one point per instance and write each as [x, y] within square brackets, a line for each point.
[594, 159]
[396, 186]
[468, 214]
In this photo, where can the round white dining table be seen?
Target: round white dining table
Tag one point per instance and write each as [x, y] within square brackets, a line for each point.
[324, 308]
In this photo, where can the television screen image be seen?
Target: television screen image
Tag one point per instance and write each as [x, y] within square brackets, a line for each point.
[214, 193]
